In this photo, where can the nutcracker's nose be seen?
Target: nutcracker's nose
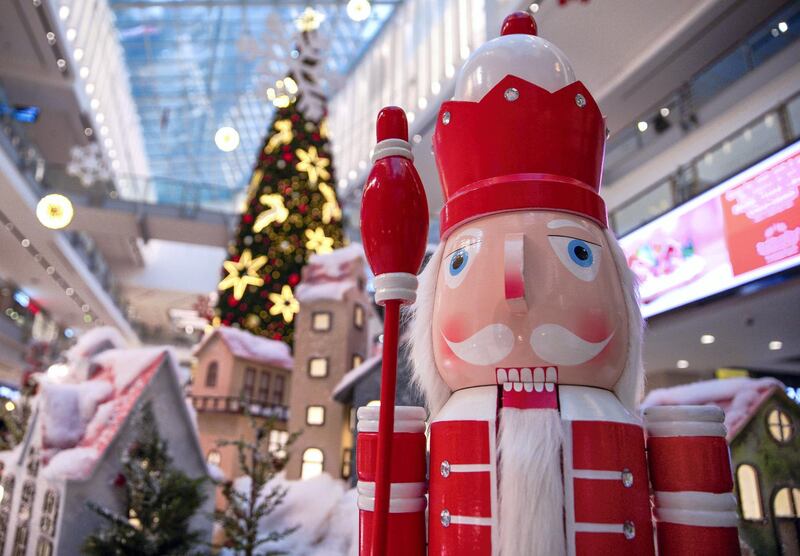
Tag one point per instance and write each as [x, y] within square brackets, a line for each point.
[514, 279]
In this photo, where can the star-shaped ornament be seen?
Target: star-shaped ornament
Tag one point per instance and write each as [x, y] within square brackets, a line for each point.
[309, 20]
[284, 136]
[242, 273]
[277, 212]
[330, 209]
[284, 304]
[318, 241]
[312, 164]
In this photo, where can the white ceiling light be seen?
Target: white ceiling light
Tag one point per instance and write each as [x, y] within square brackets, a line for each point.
[534, 7]
[707, 339]
[54, 211]
[71, 34]
[642, 126]
[226, 139]
[358, 10]
[783, 26]
[775, 345]
[664, 112]
[84, 72]
[78, 54]
[63, 12]
[682, 364]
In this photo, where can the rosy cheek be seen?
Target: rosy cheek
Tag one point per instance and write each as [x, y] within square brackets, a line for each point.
[454, 326]
[594, 326]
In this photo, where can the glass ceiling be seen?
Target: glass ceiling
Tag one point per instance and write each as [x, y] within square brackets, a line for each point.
[198, 65]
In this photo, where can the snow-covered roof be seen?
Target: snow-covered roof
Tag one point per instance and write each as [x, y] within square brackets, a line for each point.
[333, 261]
[90, 341]
[739, 398]
[355, 374]
[80, 420]
[245, 345]
[308, 293]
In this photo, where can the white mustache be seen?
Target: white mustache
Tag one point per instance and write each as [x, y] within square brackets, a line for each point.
[488, 345]
[559, 346]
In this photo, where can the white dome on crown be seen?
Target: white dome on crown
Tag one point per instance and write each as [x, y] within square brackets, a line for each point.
[529, 57]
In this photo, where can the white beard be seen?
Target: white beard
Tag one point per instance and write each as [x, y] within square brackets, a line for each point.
[531, 485]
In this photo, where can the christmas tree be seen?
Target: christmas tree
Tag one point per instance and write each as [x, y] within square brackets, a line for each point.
[250, 501]
[291, 207]
[160, 501]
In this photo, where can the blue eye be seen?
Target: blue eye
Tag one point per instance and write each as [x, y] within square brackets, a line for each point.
[458, 262]
[581, 253]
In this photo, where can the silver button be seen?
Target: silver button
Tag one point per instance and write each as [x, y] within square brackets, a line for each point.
[511, 94]
[580, 100]
[627, 478]
[444, 517]
[628, 530]
[446, 118]
[444, 469]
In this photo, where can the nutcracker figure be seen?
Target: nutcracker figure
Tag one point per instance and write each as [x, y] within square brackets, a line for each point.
[526, 341]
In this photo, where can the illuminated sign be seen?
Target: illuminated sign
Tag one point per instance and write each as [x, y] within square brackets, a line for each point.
[745, 228]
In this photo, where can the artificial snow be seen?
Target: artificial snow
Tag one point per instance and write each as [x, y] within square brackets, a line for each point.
[216, 473]
[308, 293]
[325, 513]
[66, 410]
[249, 346]
[738, 397]
[334, 260]
[355, 374]
[75, 463]
[93, 339]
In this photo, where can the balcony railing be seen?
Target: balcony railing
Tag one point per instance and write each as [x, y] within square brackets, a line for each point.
[682, 105]
[764, 135]
[230, 404]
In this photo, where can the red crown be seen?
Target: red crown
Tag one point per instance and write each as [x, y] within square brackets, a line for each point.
[520, 148]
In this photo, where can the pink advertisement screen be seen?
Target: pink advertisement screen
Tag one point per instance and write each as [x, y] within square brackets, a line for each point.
[743, 229]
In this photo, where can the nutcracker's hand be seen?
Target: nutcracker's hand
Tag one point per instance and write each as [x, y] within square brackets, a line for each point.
[690, 470]
[407, 501]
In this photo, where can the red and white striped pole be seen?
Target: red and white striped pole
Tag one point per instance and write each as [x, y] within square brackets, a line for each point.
[394, 230]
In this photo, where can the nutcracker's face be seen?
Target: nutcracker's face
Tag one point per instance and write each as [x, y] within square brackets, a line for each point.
[529, 289]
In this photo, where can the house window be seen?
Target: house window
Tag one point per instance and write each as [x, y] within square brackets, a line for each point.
[44, 547]
[318, 367]
[263, 387]
[214, 457]
[315, 415]
[249, 383]
[277, 394]
[780, 425]
[787, 503]
[358, 316]
[277, 443]
[321, 321]
[313, 461]
[749, 492]
[47, 522]
[347, 463]
[357, 360]
[211, 374]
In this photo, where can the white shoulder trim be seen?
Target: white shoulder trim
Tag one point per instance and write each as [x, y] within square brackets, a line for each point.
[584, 403]
[471, 404]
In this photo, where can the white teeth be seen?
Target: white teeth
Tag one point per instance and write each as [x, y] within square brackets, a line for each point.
[539, 386]
[526, 375]
[528, 386]
[551, 374]
[549, 386]
[513, 375]
[538, 375]
[502, 376]
[507, 386]
[518, 387]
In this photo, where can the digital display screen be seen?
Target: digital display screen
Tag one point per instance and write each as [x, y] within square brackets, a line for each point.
[743, 229]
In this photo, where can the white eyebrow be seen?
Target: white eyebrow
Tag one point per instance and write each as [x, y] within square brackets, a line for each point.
[469, 232]
[564, 223]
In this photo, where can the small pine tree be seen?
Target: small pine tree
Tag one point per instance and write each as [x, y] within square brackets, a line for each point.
[160, 501]
[246, 507]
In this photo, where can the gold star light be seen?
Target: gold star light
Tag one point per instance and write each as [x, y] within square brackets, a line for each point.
[284, 304]
[284, 136]
[318, 241]
[309, 20]
[323, 128]
[242, 273]
[312, 164]
[277, 212]
[330, 209]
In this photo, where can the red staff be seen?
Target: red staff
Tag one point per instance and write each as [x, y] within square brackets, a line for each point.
[394, 230]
